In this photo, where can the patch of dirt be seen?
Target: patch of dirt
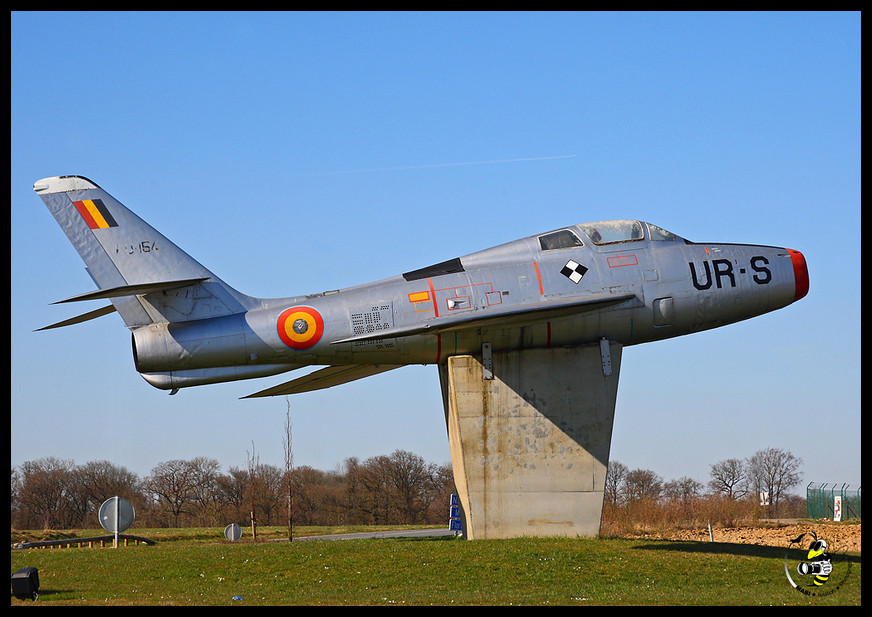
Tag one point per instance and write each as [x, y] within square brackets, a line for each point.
[841, 536]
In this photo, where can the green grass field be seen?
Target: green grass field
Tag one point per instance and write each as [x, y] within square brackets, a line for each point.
[198, 567]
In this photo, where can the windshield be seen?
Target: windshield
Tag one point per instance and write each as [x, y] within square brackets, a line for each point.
[609, 232]
[563, 239]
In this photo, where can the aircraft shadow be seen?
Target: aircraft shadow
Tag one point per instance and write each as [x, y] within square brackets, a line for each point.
[727, 548]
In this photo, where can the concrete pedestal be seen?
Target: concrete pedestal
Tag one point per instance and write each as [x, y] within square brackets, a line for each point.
[530, 446]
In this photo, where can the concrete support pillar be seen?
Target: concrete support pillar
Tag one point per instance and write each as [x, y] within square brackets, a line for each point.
[530, 446]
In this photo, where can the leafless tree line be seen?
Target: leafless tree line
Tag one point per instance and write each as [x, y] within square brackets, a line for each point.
[390, 489]
[400, 488]
[640, 497]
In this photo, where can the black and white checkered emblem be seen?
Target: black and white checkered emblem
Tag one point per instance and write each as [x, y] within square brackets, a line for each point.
[573, 271]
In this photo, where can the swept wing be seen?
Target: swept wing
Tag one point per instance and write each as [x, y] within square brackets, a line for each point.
[325, 378]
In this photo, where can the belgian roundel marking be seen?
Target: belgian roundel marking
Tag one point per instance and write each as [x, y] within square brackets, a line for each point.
[300, 327]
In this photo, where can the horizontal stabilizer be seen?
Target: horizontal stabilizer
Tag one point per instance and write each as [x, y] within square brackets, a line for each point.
[132, 290]
[131, 262]
[325, 378]
[500, 316]
[79, 319]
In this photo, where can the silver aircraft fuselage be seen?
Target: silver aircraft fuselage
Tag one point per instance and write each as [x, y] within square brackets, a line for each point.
[623, 281]
[513, 296]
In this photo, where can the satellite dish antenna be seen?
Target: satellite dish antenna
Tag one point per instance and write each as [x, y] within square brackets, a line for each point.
[233, 532]
[116, 515]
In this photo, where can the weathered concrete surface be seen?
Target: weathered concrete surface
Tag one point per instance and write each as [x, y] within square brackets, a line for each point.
[530, 447]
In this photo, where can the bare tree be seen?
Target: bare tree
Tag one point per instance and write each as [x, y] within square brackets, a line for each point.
[204, 474]
[232, 490]
[728, 478]
[413, 480]
[289, 469]
[104, 479]
[14, 501]
[774, 471]
[173, 483]
[253, 462]
[353, 490]
[270, 492]
[642, 484]
[684, 489]
[97, 481]
[44, 491]
[615, 474]
[443, 488]
[377, 498]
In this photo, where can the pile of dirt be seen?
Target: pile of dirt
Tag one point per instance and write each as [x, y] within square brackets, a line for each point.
[839, 536]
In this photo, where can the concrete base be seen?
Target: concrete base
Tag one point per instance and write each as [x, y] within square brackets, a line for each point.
[530, 447]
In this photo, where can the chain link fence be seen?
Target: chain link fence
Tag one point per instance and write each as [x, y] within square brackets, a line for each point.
[832, 500]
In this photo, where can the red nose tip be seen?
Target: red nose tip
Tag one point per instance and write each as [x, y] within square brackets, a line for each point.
[800, 273]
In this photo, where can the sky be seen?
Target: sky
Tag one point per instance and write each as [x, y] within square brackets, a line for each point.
[293, 153]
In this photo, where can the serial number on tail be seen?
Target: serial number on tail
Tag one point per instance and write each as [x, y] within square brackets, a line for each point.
[146, 246]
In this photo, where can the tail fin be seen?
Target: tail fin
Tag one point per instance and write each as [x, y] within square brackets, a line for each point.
[147, 278]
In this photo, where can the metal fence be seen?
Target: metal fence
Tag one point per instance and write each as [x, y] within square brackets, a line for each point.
[821, 501]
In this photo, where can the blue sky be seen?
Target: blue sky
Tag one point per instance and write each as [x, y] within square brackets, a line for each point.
[293, 153]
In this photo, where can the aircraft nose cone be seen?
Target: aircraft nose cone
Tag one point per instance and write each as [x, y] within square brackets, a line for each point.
[800, 273]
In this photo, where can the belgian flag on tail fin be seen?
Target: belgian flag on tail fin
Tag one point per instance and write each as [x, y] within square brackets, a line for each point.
[95, 213]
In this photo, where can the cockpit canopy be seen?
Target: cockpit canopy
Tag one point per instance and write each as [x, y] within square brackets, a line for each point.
[609, 232]
[605, 232]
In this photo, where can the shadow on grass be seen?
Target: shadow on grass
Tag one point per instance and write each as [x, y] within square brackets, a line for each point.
[727, 548]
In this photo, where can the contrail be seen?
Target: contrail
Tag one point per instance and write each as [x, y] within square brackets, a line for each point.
[438, 165]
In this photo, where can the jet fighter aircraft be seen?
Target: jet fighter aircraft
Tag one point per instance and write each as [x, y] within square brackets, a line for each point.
[527, 337]
[623, 281]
